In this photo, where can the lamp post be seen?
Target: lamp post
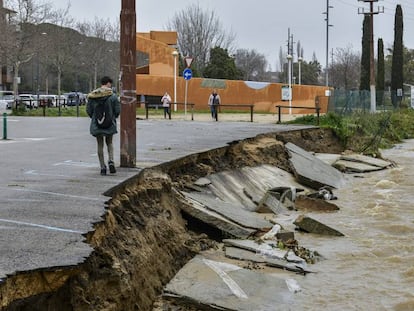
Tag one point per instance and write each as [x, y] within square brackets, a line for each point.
[175, 55]
[300, 72]
[289, 58]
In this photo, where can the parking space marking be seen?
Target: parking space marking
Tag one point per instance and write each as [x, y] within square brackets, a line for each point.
[53, 193]
[15, 222]
[76, 163]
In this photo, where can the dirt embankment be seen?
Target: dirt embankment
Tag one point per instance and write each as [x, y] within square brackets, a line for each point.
[144, 239]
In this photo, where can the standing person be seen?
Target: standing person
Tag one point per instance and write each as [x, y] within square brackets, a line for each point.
[103, 108]
[213, 101]
[166, 102]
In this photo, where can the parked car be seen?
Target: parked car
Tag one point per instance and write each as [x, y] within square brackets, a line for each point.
[8, 97]
[28, 99]
[74, 98]
[48, 100]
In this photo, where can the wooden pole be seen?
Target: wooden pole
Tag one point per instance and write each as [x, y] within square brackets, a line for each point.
[128, 84]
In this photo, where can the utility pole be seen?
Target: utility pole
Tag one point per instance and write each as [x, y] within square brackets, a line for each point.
[371, 45]
[327, 42]
[127, 82]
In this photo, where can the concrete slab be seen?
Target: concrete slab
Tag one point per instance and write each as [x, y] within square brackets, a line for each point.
[232, 211]
[365, 159]
[222, 286]
[311, 171]
[355, 167]
[214, 219]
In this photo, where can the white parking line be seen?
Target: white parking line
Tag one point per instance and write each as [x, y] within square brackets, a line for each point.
[53, 193]
[76, 163]
[39, 226]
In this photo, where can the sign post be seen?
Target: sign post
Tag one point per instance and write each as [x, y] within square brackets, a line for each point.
[187, 74]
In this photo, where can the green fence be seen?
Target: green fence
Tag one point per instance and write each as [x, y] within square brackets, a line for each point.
[347, 102]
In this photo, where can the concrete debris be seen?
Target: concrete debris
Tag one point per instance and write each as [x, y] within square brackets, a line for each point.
[285, 236]
[271, 234]
[266, 249]
[198, 211]
[248, 185]
[278, 200]
[355, 167]
[354, 163]
[310, 225]
[245, 255]
[231, 211]
[311, 171]
[216, 285]
[367, 160]
[202, 182]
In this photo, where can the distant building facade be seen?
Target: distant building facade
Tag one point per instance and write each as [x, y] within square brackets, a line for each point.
[6, 77]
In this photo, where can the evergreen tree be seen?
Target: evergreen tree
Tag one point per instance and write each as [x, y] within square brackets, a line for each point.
[365, 56]
[397, 56]
[380, 73]
[222, 66]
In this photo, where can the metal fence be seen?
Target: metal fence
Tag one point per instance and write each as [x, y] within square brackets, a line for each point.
[348, 102]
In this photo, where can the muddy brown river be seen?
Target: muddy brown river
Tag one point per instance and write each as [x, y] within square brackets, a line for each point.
[372, 267]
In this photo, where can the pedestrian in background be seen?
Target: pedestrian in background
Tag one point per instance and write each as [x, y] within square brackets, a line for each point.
[213, 102]
[103, 108]
[166, 102]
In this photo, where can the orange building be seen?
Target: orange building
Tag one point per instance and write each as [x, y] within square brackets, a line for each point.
[155, 76]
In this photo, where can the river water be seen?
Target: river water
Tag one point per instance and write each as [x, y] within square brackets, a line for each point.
[372, 267]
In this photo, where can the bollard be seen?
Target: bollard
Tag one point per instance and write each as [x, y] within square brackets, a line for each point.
[4, 125]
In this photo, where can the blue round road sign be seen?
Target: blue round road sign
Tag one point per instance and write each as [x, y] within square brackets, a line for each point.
[187, 74]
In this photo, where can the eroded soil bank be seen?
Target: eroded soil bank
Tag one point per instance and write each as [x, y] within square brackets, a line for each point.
[144, 239]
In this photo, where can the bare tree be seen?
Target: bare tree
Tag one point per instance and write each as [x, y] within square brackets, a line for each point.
[198, 32]
[345, 68]
[282, 59]
[95, 51]
[299, 50]
[15, 38]
[252, 64]
[30, 11]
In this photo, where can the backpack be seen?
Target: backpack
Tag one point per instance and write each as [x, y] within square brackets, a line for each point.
[215, 100]
[103, 112]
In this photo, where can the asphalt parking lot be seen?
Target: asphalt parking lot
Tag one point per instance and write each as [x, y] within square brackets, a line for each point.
[51, 189]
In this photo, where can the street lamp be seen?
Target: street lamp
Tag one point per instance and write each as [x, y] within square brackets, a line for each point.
[175, 55]
[300, 72]
[289, 58]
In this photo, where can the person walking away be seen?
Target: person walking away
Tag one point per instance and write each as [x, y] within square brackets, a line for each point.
[214, 101]
[166, 102]
[103, 108]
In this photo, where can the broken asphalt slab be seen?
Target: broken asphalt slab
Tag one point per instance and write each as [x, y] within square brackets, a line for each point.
[311, 171]
[221, 286]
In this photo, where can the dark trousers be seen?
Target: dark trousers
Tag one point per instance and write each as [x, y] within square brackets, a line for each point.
[213, 109]
[167, 112]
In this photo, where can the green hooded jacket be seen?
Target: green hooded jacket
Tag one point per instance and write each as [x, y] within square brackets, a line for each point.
[96, 98]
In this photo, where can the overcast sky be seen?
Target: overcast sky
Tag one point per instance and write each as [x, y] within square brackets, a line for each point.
[263, 24]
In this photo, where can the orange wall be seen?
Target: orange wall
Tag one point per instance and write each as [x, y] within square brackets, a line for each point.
[233, 92]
